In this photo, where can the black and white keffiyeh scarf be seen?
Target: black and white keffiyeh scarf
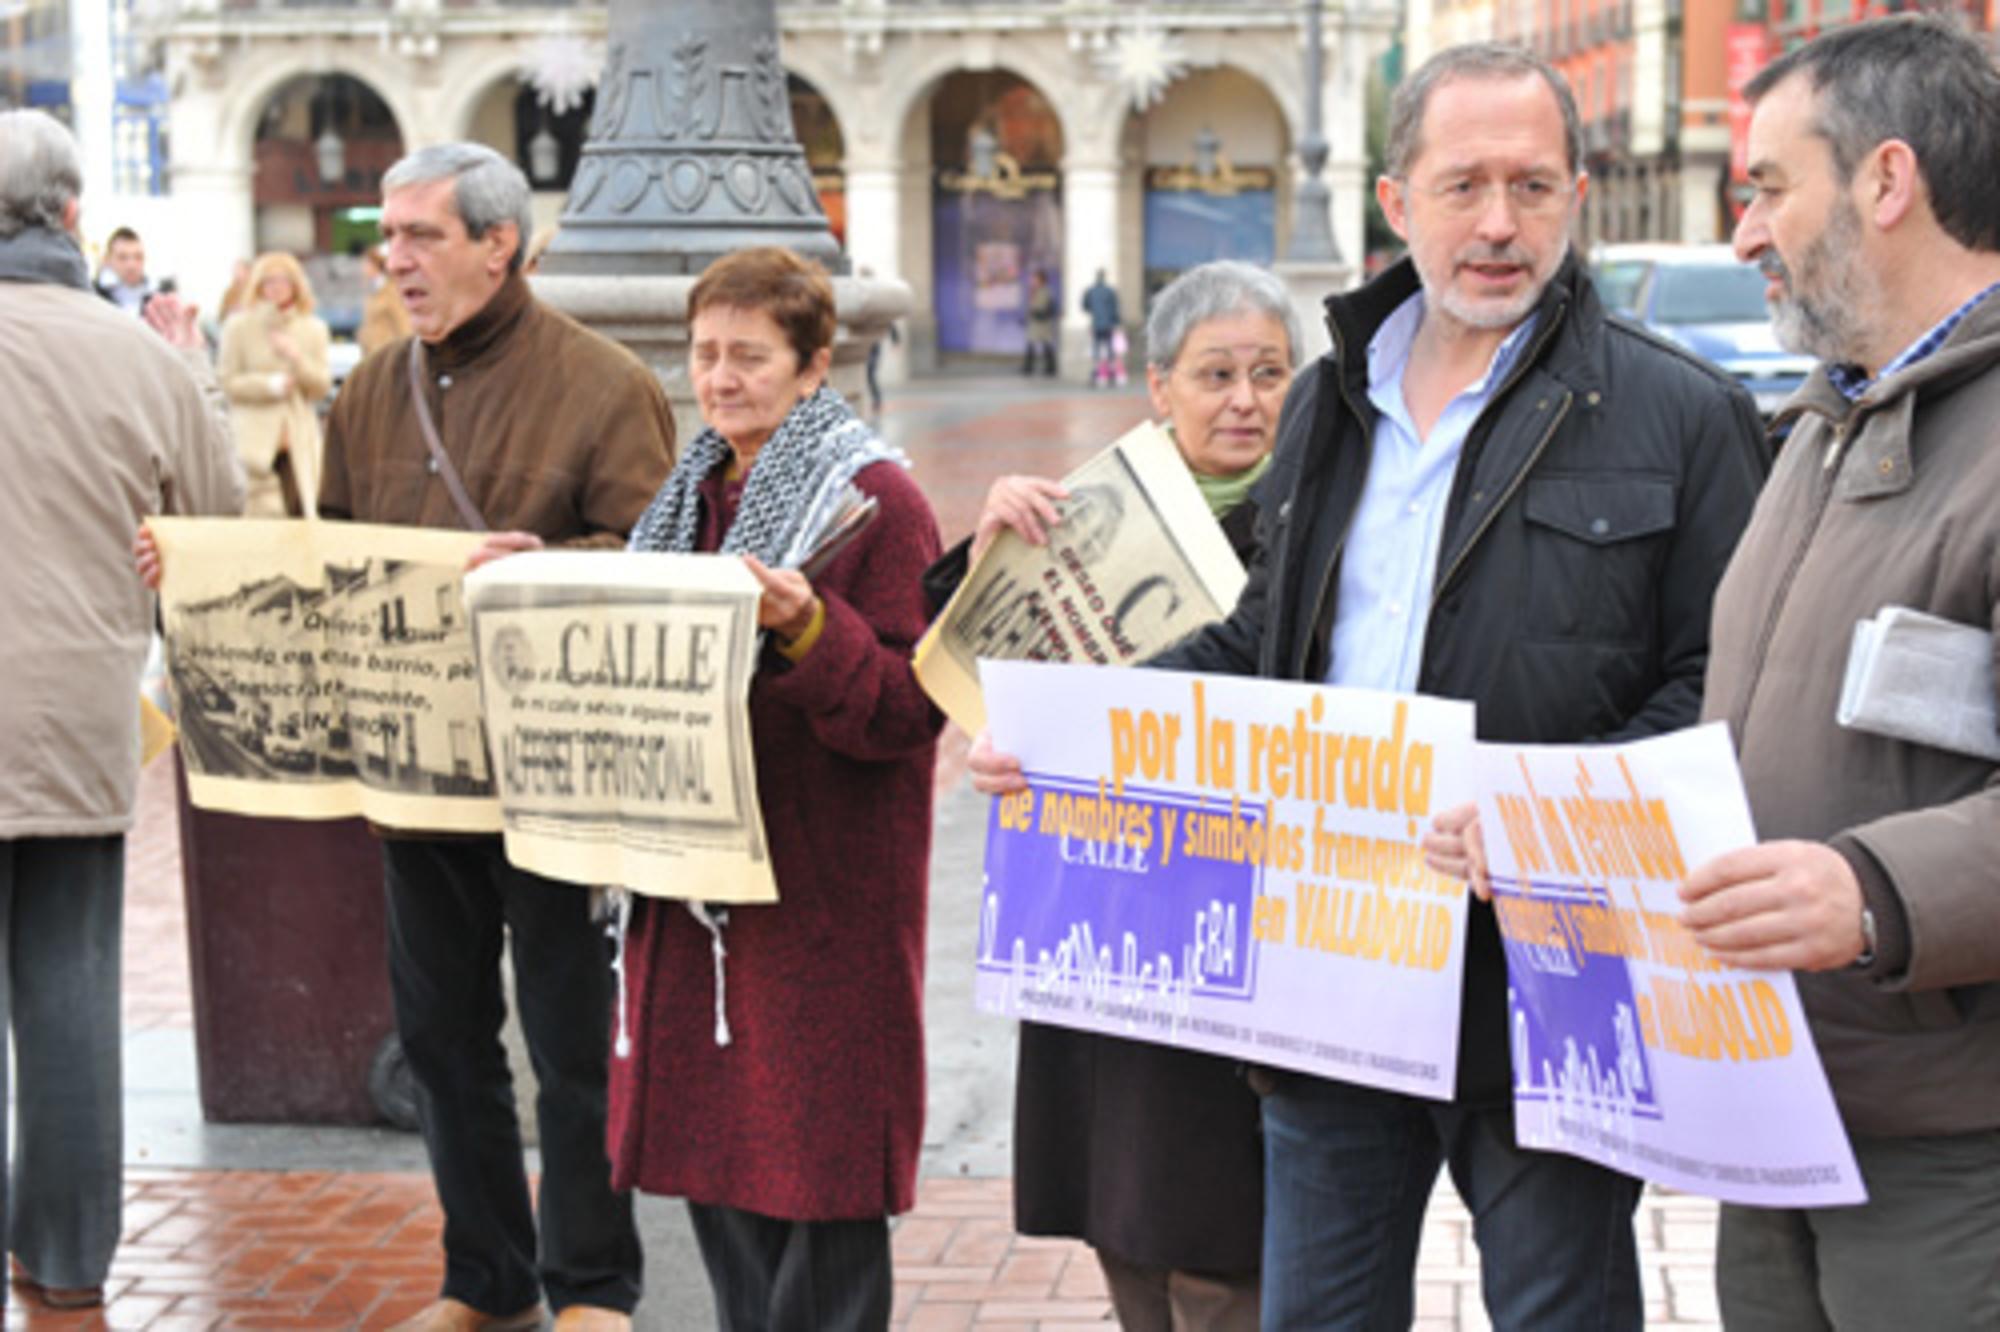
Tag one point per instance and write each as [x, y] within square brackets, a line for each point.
[795, 484]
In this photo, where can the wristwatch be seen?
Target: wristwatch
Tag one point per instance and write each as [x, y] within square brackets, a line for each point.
[1867, 956]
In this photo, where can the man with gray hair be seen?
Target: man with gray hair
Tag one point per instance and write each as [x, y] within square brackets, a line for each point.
[88, 457]
[503, 416]
[1485, 490]
[1877, 220]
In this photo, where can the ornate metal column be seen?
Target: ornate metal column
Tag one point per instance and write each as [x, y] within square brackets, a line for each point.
[1312, 204]
[1311, 266]
[691, 154]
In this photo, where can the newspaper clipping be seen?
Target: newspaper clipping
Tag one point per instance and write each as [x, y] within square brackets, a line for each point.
[617, 700]
[1136, 563]
[324, 670]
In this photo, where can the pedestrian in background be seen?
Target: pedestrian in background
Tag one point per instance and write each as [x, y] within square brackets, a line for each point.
[1877, 220]
[1153, 1154]
[776, 1072]
[1041, 325]
[273, 365]
[1107, 359]
[105, 424]
[1485, 490]
[122, 280]
[383, 318]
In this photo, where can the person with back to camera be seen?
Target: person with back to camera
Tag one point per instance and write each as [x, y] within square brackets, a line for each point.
[775, 1073]
[273, 365]
[89, 456]
[1151, 1154]
[1107, 364]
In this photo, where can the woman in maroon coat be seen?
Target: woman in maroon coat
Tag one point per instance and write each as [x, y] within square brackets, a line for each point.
[774, 1072]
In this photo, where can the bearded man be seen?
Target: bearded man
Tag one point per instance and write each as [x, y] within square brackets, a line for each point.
[1877, 220]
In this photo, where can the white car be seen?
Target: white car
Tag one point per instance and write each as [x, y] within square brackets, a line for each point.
[1708, 301]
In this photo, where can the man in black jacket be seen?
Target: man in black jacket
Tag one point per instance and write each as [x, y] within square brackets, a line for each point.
[1487, 490]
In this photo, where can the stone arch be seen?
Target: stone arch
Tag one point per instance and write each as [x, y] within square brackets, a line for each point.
[920, 81]
[1232, 80]
[1190, 211]
[470, 83]
[844, 94]
[248, 101]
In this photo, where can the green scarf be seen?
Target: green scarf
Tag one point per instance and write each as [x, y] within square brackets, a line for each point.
[1224, 493]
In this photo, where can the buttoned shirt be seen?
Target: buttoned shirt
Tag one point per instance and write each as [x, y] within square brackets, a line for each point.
[1853, 381]
[1390, 557]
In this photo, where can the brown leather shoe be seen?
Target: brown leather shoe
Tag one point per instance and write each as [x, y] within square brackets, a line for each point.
[58, 1297]
[457, 1316]
[590, 1318]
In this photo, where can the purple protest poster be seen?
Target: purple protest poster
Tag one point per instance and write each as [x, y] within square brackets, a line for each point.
[1632, 1047]
[1228, 865]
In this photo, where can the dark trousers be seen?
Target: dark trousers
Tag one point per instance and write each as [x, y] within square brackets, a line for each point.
[62, 911]
[451, 904]
[1922, 1252]
[794, 1276]
[1349, 1172]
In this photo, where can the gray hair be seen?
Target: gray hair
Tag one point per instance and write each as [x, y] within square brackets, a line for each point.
[1922, 80]
[1474, 60]
[487, 189]
[1212, 291]
[39, 171]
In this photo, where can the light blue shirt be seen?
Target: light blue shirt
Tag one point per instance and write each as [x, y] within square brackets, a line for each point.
[1390, 560]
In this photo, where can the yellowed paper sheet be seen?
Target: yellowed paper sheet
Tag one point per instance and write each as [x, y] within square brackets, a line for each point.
[156, 731]
[617, 692]
[1136, 564]
[324, 670]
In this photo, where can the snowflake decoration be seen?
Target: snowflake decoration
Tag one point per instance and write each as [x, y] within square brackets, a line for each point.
[561, 69]
[1143, 61]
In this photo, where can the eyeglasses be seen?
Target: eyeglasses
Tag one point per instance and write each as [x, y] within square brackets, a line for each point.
[1529, 196]
[1221, 379]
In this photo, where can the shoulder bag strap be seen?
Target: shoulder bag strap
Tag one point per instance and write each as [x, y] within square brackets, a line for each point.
[468, 512]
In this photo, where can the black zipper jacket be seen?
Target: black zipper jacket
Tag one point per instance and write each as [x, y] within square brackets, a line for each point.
[1596, 503]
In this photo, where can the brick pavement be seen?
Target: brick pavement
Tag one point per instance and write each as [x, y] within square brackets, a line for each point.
[233, 1249]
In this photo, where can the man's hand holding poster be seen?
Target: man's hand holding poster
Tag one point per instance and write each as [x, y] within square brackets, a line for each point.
[1632, 1047]
[617, 705]
[1230, 865]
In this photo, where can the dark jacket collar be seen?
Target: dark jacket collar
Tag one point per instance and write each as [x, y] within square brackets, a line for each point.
[476, 336]
[1570, 321]
[37, 254]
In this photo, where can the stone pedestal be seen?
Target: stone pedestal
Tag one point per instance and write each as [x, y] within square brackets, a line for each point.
[649, 315]
[1310, 283]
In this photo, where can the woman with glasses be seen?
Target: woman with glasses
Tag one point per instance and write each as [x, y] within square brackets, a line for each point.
[1151, 1154]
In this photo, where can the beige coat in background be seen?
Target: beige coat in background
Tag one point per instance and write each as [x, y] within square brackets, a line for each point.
[270, 417]
[104, 426]
[383, 319]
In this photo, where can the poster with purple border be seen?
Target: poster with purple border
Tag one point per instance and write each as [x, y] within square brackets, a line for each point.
[1230, 865]
[1632, 1047]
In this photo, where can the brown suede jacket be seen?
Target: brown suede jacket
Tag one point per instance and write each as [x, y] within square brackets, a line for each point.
[554, 429]
[1890, 501]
